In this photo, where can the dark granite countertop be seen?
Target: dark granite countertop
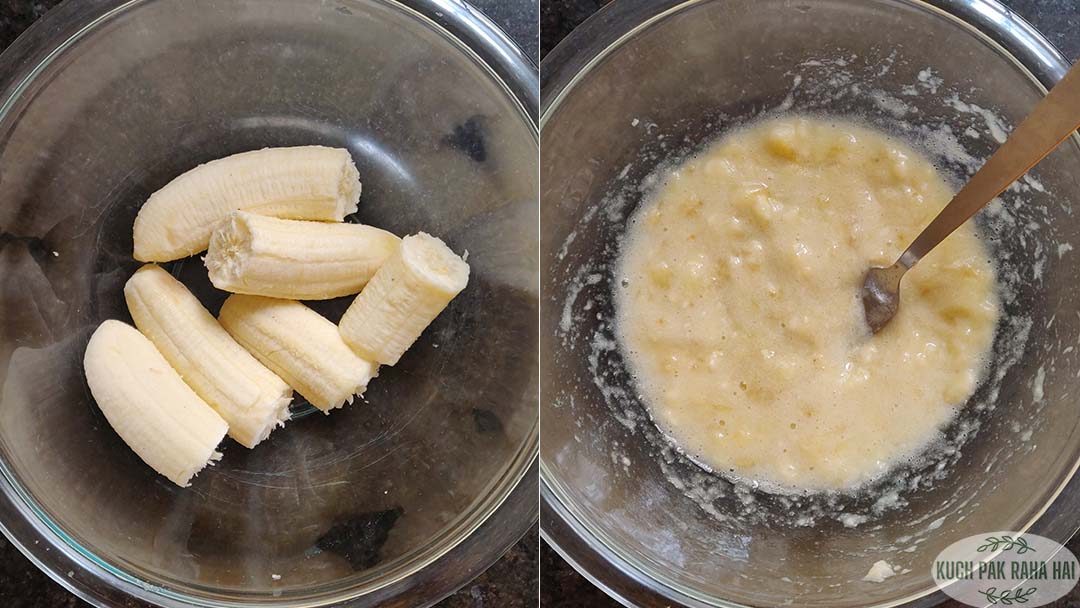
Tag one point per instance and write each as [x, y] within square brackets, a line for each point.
[560, 585]
[510, 583]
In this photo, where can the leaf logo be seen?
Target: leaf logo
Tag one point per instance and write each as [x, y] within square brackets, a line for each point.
[1006, 569]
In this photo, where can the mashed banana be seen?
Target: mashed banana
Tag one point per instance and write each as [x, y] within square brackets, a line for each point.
[741, 314]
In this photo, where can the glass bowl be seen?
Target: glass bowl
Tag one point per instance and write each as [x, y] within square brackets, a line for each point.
[642, 83]
[395, 500]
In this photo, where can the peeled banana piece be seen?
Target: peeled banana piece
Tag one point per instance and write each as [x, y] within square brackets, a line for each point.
[300, 345]
[306, 182]
[251, 398]
[404, 297]
[149, 405]
[295, 260]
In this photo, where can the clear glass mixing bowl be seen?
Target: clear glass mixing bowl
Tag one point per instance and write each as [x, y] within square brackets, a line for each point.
[396, 500]
[644, 82]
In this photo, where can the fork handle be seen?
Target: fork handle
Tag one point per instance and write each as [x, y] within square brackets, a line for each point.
[1053, 120]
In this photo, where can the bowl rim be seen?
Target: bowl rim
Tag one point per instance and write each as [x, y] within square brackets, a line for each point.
[102, 584]
[563, 68]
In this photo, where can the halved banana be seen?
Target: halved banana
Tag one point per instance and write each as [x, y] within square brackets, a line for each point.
[149, 405]
[293, 259]
[301, 345]
[403, 298]
[306, 182]
[247, 395]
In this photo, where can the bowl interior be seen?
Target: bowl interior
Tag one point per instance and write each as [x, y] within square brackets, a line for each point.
[344, 502]
[677, 83]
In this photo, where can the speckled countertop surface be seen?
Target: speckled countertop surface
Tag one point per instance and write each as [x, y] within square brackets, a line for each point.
[1058, 20]
[510, 583]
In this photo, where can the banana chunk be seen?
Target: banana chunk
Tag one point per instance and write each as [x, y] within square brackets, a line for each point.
[300, 345]
[247, 395]
[148, 404]
[306, 182]
[295, 260]
[403, 298]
